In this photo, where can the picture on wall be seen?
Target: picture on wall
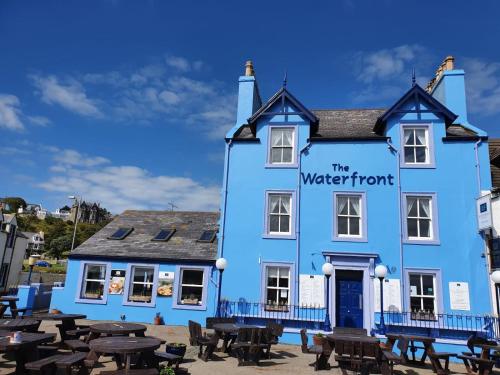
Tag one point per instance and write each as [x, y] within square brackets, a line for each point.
[117, 282]
[165, 284]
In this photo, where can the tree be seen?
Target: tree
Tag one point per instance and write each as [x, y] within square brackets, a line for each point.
[14, 203]
[60, 245]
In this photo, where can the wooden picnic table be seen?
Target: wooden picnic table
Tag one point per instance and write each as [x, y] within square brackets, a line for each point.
[68, 323]
[116, 329]
[413, 340]
[25, 350]
[61, 316]
[358, 351]
[11, 300]
[27, 325]
[228, 333]
[486, 350]
[125, 346]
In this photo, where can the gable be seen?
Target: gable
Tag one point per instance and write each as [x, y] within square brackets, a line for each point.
[417, 101]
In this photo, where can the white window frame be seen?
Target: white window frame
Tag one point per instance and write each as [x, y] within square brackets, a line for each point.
[419, 218]
[130, 282]
[433, 219]
[363, 224]
[83, 282]
[177, 303]
[269, 214]
[429, 145]
[270, 147]
[278, 289]
[422, 296]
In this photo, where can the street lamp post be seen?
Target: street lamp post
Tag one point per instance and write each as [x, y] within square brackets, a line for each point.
[31, 262]
[495, 277]
[327, 269]
[380, 273]
[221, 265]
[77, 202]
[7, 230]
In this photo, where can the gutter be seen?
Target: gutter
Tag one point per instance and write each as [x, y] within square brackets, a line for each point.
[229, 144]
[140, 259]
[297, 223]
[393, 149]
[478, 167]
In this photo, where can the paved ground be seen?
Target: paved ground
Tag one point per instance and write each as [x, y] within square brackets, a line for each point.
[287, 359]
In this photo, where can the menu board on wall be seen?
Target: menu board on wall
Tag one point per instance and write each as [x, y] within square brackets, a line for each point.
[312, 290]
[459, 296]
[392, 294]
[117, 282]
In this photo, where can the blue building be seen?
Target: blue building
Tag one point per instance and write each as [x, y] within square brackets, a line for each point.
[302, 188]
[355, 189]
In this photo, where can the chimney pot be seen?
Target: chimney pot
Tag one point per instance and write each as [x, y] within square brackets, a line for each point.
[449, 62]
[249, 69]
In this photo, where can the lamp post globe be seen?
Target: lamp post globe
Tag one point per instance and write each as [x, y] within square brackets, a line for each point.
[381, 271]
[221, 264]
[327, 269]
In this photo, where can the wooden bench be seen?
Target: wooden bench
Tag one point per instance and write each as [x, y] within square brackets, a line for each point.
[77, 345]
[322, 352]
[476, 365]
[396, 359]
[49, 365]
[170, 358]
[437, 357]
[145, 371]
[44, 366]
[67, 362]
[45, 351]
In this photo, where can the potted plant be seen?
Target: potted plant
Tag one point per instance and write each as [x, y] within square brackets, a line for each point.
[318, 339]
[176, 348]
[158, 320]
[166, 370]
[55, 311]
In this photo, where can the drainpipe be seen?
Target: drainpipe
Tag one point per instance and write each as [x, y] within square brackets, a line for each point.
[297, 224]
[478, 166]
[224, 205]
[400, 213]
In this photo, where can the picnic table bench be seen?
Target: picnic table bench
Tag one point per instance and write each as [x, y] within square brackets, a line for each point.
[64, 362]
[14, 310]
[26, 325]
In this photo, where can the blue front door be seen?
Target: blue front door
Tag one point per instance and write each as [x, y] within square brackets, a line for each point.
[349, 298]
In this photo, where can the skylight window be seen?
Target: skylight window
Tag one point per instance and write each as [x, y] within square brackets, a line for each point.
[163, 235]
[207, 236]
[121, 233]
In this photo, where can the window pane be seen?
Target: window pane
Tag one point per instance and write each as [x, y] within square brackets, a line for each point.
[272, 276]
[415, 285]
[409, 155]
[274, 201]
[96, 272]
[194, 277]
[342, 225]
[420, 154]
[141, 293]
[409, 137]
[274, 223]
[428, 284]
[420, 138]
[142, 274]
[425, 228]
[424, 207]
[283, 297]
[354, 226]
[276, 155]
[276, 137]
[415, 303]
[285, 224]
[287, 137]
[428, 304]
[93, 290]
[191, 295]
[412, 206]
[283, 283]
[272, 296]
[342, 205]
[354, 206]
[287, 155]
[412, 228]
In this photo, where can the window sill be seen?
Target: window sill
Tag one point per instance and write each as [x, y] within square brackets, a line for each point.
[92, 301]
[139, 304]
[279, 236]
[421, 242]
[350, 239]
[281, 166]
[180, 306]
[417, 166]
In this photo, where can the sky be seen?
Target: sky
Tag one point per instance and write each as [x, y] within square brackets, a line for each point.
[127, 102]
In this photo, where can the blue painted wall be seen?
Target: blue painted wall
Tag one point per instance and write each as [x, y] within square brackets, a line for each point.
[64, 300]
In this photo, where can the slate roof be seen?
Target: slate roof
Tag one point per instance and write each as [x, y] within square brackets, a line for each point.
[182, 246]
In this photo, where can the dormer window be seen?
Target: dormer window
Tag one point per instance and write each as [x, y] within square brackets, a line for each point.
[207, 236]
[121, 233]
[163, 235]
[282, 146]
[417, 146]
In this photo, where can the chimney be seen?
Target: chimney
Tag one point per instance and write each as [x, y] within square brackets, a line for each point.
[449, 88]
[248, 95]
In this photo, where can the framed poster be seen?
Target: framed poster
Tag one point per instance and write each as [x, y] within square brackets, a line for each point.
[165, 284]
[459, 296]
[117, 282]
[312, 290]
[392, 294]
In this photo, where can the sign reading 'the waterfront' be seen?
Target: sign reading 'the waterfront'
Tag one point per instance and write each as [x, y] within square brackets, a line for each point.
[344, 176]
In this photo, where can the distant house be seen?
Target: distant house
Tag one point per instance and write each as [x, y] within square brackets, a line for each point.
[35, 242]
[34, 209]
[90, 213]
[62, 213]
[145, 262]
[12, 249]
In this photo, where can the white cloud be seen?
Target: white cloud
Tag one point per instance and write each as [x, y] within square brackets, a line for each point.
[70, 95]
[127, 187]
[69, 157]
[160, 93]
[10, 113]
[39, 120]
[482, 86]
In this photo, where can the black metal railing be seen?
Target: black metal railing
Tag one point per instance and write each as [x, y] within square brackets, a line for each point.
[445, 324]
[251, 311]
